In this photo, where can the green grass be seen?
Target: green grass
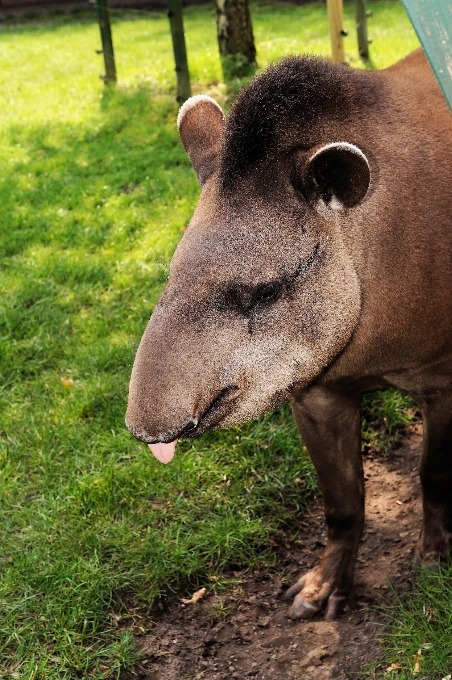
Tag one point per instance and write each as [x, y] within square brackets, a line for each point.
[418, 634]
[94, 191]
[386, 414]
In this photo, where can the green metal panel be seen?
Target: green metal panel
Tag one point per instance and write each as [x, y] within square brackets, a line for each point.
[432, 21]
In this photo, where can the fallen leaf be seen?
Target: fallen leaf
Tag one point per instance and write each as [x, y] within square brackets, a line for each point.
[195, 597]
[417, 668]
[67, 382]
[393, 667]
[116, 618]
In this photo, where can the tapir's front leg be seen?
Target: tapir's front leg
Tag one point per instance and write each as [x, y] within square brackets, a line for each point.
[330, 425]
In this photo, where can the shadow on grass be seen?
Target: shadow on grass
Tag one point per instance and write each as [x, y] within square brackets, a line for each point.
[64, 170]
[78, 203]
[85, 213]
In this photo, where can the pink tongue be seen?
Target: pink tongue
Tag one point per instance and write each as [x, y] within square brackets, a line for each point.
[163, 452]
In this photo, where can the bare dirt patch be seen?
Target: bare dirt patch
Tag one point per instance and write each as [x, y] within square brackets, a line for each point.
[246, 633]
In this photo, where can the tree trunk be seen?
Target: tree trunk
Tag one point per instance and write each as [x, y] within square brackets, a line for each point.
[235, 36]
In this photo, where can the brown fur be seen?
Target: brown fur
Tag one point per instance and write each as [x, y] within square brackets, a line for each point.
[317, 266]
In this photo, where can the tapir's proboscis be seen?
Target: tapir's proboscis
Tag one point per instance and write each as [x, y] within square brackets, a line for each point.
[317, 267]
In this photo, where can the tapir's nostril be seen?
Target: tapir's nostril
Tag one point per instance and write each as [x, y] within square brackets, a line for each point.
[191, 425]
[143, 435]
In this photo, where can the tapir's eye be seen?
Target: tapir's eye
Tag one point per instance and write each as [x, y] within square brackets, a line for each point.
[268, 293]
[244, 299]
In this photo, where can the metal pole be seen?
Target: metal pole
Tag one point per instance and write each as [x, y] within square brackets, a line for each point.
[336, 30]
[107, 43]
[179, 49]
[361, 28]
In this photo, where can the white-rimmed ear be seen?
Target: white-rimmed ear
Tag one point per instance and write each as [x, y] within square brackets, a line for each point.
[200, 123]
[338, 174]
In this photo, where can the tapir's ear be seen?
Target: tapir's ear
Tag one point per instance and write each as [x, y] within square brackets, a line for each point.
[200, 123]
[338, 173]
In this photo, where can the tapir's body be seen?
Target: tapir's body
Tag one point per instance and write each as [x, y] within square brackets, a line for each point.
[317, 266]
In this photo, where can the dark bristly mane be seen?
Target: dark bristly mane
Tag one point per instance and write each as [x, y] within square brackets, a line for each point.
[297, 91]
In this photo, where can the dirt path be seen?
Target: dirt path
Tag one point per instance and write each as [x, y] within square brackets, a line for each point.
[258, 640]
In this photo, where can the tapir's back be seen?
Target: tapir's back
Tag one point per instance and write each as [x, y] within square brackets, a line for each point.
[414, 86]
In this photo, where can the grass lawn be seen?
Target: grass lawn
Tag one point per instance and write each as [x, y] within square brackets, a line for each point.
[94, 192]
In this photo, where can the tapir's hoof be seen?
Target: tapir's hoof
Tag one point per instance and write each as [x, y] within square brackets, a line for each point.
[303, 609]
[430, 562]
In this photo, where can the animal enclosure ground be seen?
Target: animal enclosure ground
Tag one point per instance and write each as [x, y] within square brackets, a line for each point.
[247, 633]
[95, 191]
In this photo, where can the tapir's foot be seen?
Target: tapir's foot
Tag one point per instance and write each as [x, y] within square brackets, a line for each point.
[435, 540]
[430, 562]
[433, 548]
[316, 591]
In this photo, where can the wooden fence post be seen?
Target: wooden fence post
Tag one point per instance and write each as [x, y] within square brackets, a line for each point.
[180, 52]
[103, 17]
[361, 28]
[336, 30]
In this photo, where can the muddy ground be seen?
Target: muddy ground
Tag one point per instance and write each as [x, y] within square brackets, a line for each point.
[254, 638]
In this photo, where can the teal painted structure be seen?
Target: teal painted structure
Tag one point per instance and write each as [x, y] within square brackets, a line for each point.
[432, 21]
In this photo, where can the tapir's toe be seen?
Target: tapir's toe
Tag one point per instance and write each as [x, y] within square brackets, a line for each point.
[302, 610]
[335, 607]
[295, 589]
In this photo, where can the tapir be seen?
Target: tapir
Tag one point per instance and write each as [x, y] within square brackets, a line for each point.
[317, 267]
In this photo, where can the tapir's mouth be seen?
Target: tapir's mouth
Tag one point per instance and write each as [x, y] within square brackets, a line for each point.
[221, 406]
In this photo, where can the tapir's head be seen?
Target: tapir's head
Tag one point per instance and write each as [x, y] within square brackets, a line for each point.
[262, 293]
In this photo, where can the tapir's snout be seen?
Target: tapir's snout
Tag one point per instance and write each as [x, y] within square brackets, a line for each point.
[148, 428]
[170, 397]
[143, 430]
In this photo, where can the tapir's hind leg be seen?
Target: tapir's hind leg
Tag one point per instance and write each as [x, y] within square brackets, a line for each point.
[330, 425]
[435, 541]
